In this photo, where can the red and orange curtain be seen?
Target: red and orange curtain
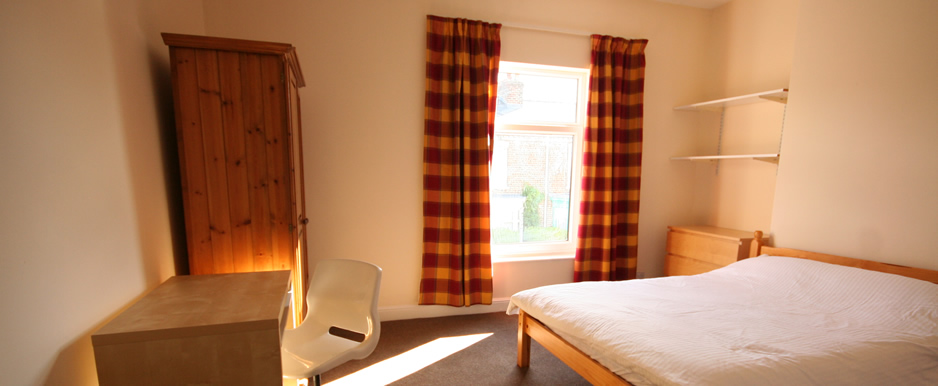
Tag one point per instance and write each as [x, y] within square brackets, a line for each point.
[459, 116]
[607, 246]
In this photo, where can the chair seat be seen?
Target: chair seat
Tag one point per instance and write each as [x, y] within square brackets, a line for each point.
[342, 294]
[306, 357]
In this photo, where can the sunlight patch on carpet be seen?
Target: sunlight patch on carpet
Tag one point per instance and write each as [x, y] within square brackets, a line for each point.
[393, 369]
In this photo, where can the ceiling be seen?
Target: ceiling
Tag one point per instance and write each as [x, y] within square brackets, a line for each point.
[705, 4]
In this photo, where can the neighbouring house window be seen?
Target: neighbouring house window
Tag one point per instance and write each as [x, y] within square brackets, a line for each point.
[539, 121]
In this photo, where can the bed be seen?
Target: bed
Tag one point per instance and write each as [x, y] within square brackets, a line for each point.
[746, 323]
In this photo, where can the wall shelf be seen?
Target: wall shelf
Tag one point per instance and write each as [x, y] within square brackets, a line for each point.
[779, 95]
[719, 105]
[771, 157]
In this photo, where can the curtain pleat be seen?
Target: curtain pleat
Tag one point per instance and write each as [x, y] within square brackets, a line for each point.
[607, 245]
[462, 76]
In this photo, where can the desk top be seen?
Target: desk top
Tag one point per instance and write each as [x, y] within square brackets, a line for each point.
[186, 306]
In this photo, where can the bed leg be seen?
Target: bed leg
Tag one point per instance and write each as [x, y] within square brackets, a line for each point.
[524, 342]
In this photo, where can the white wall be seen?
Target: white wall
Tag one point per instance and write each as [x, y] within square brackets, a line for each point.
[85, 196]
[859, 175]
[750, 51]
[752, 46]
[363, 115]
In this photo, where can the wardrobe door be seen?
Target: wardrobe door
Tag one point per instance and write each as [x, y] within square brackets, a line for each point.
[300, 281]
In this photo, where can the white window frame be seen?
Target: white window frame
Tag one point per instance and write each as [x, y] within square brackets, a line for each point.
[559, 249]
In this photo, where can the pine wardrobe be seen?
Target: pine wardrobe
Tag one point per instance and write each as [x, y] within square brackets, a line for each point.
[238, 130]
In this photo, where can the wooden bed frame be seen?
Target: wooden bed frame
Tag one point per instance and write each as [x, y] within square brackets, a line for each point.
[597, 374]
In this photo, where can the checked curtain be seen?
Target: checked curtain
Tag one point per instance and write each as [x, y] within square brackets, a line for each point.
[607, 247]
[459, 116]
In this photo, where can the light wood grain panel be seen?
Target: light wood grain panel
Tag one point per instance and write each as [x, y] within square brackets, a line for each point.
[680, 265]
[203, 329]
[281, 214]
[296, 150]
[221, 302]
[229, 64]
[256, 153]
[244, 100]
[697, 249]
[732, 235]
[226, 44]
[286, 51]
[191, 158]
[216, 173]
[717, 251]
[524, 342]
[301, 280]
[591, 370]
[916, 273]
[246, 358]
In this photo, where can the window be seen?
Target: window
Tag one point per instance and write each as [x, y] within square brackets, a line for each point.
[539, 121]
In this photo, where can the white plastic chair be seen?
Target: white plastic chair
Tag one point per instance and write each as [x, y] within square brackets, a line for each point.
[343, 294]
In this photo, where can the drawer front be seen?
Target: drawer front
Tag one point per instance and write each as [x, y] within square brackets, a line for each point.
[678, 265]
[721, 252]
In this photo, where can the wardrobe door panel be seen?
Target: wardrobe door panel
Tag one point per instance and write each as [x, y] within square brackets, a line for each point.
[216, 173]
[256, 153]
[278, 159]
[191, 156]
[239, 198]
[300, 281]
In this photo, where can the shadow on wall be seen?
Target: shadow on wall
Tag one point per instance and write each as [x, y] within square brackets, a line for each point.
[143, 83]
[75, 363]
[162, 83]
[141, 64]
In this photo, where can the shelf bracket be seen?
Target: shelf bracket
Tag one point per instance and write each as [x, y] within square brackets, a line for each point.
[771, 160]
[716, 170]
[776, 98]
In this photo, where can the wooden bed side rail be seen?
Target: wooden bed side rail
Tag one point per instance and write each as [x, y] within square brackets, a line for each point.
[592, 371]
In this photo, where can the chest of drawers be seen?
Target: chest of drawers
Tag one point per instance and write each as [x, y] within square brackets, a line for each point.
[697, 249]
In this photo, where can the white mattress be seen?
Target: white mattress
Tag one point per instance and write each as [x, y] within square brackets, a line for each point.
[765, 320]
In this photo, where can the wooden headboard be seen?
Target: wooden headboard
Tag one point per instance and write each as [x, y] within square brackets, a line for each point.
[758, 248]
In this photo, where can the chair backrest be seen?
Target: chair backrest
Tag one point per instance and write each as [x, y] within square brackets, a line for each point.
[344, 294]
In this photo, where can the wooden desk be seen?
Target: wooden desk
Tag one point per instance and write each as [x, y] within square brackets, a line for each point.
[204, 329]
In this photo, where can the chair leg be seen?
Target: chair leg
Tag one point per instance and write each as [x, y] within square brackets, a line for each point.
[317, 380]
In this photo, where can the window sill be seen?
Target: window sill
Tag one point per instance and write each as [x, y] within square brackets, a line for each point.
[539, 257]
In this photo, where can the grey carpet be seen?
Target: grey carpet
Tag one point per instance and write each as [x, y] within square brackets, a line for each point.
[491, 361]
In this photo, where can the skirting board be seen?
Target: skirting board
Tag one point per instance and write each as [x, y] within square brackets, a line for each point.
[419, 312]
